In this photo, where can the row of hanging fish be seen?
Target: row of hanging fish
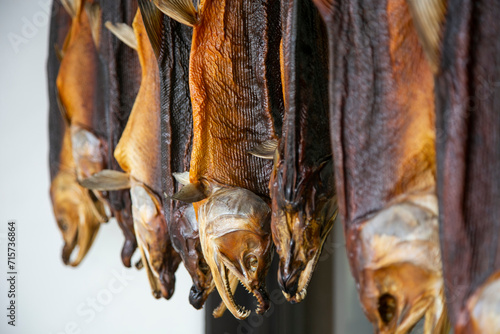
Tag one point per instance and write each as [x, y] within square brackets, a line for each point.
[218, 133]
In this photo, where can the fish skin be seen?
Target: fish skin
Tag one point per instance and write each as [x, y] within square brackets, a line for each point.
[138, 153]
[59, 27]
[302, 183]
[122, 79]
[468, 146]
[239, 101]
[383, 137]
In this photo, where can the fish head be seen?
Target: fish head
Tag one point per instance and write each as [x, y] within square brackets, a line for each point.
[480, 314]
[236, 241]
[158, 256]
[300, 226]
[78, 213]
[186, 241]
[396, 261]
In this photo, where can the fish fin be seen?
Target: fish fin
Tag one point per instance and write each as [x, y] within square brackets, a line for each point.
[153, 22]
[190, 193]
[62, 109]
[59, 52]
[266, 150]
[123, 32]
[107, 180]
[71, 7]
[182, 11]
[93, 11]
[428, 18]
[182, 178]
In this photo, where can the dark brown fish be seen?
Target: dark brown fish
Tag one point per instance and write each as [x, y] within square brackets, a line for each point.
[302, 183]
[122, 81]
[236, 99]
[468, 144]
[383, 134]
[77, 211]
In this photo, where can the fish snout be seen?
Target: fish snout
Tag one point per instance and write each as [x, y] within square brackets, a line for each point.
[66, 253]
[288, 279]
[196, 297]
[167, 285]
[128, 250]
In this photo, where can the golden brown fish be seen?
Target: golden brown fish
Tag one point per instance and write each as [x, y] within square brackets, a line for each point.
[236, 106]
[77, 211]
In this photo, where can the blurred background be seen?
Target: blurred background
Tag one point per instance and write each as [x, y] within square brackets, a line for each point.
[101, 296]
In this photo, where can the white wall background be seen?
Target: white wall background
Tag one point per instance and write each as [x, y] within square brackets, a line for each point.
[53, 298]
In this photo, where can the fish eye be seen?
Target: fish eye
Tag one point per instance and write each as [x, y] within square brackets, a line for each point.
[252, 263]
[63, 225]
[203, 266]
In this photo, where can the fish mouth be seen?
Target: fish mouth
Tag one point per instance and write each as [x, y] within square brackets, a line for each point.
[297, 291]
[84, 238]
[238, 311]
[68, 249]
[128, 249]
[397, 319]
[198, 295]
[167, 284]
[163, 284]
[294, 287]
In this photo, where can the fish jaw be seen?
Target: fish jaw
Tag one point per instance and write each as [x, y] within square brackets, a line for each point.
[78, 216]
[236, 242]
[480, 315]
[300, 227]
[396, 261]
[158, 256]
[185, 238]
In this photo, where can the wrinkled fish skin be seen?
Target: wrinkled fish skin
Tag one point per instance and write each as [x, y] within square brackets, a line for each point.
[302, 184]
[138, 153]
[468, 145]
[382, 131]
[122, 79]
[236, 97]
[230, 87]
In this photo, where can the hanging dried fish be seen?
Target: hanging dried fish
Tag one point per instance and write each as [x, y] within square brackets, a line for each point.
[302, 183]
[122, 81]
[77, 211]
[235, 107]
[468, 121]
[171, 42]
[383, 134]
[138, 153]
